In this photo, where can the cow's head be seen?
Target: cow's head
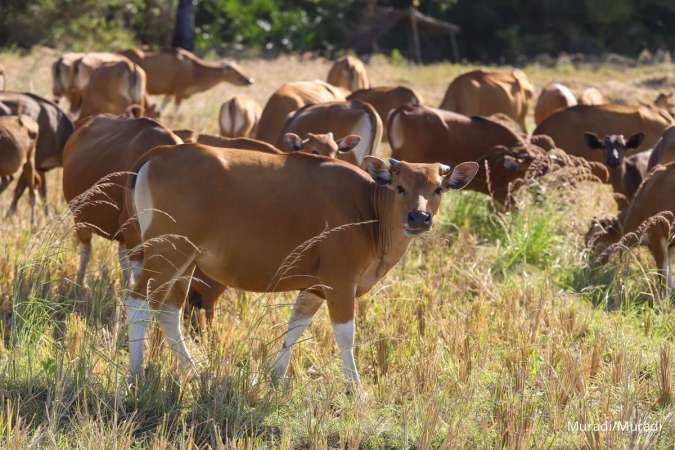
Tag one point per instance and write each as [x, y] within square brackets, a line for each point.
[614, 146]
[418, 188]
[319, 144]
[234, 74]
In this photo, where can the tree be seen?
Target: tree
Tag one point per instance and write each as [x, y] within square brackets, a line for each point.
[184, 33]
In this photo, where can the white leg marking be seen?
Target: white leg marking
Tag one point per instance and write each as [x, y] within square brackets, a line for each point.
[138, 319]
[123, 257]
[85, 256]
[344, 336]
[169, 319]
[143, 198]
[136, 269]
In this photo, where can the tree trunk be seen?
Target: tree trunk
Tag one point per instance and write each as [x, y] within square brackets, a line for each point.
[184, 33]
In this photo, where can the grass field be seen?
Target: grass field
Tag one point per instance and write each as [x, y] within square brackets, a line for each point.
[491, 333]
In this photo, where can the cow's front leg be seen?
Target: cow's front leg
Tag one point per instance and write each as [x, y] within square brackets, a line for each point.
[341, 310]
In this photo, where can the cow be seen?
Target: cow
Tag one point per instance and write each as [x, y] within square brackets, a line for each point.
[289, 98]
[625, 173]
[591, 96]
[566, 127]
[332, 242]
[423, 134]
[115, 88]
[647, 220]
[83, 70]
[664, 150]
[180, 74]
[18, 138]
[55, 129]
[349, 73]
[239, 116]
[385, 99]
[63, 80]
[553, 98]
[341, 119]
[484, 93]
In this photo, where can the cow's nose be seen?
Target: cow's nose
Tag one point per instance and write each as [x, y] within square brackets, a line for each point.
[419, 219]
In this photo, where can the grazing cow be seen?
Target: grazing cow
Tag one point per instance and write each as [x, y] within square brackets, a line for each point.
[591, 96]
[664, 150]
[63, 80]
[385, 99]
[178, 73]
[646, 219]
[238, 117]
[423, 134]
[289, 98]
[115, 88]
[55, 129]
[18, 138]
[349, 73]
[566, 127]
[341, 119]
[484, 93]
[267, 232]
[625, 173]
[553, 98]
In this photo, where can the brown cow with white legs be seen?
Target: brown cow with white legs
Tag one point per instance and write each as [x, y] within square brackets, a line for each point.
[340, 119]
[180, 74]
[348, 73]
[385, 99]
[353, 226]
[115, 88]
[289, 98]
[238, 117]
[18, 138]
[481, 93]
[553, 98]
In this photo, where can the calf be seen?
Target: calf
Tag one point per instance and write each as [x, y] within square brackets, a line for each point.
[289, 98]
[553, 98]
[354, 227]
[342, 118]
[238, 117]
[625, 173]
[348, 73]
[664, 150]
[115, 88]
[484, 93]
[18, 138]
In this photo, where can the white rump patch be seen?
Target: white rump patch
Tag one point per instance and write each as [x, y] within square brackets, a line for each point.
[364, 129]
[396, 134]
[143, 199]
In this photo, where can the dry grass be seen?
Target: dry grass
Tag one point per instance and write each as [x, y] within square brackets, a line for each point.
[491, 333]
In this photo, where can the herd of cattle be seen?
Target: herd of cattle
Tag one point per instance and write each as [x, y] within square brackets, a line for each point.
[192, 212]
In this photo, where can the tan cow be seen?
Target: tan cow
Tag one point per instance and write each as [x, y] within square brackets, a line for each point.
[179, 74]
[349, 73]
[591, 96]
[553, 98]
[664, 150]
[289, 98]
[485, 93]
[115, 88]
[352, 226]
[18, 138]
[645, 218]
[63, 80]
[341, 119]
[238, 117]
[385, 99]
[567, 127]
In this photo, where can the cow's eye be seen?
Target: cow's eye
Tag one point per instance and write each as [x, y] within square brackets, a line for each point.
[438, 191]
[400, 189]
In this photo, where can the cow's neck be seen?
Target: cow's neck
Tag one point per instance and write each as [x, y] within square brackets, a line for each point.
[391, 243]
[207, 76]
[617, 177]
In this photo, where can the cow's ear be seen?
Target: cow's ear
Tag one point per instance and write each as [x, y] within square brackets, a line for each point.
[291, 142]
[635, 140]
[347, 143]
[378, 170]
[461, 175]
[592, 140]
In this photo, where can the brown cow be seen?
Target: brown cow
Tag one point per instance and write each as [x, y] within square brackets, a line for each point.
[423, 134]
[484, 93]
[385, 99]
[63, 80]
[566, 127]
[591, 96]
[349, 73]
[18, 138]
[178, 73]
[238, 117]
[341, 119]
[664, 150]
[352, 227]
[553, 98]
[644, 218]
[55, 129]
[115, 88]
[289, 98]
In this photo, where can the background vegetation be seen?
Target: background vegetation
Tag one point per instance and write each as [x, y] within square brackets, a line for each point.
[507, 30]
